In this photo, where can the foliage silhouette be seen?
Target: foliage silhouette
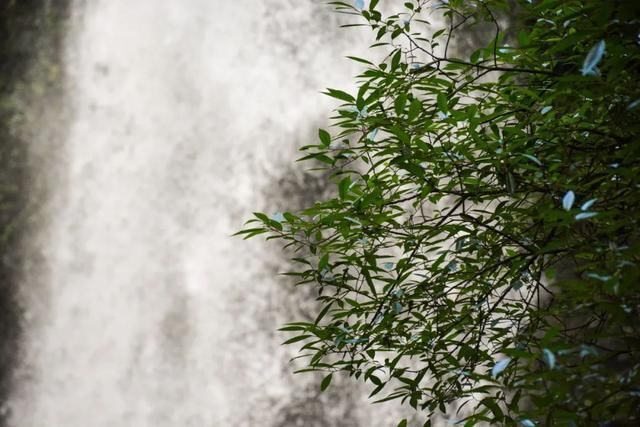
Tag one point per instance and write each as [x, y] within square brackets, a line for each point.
[480, 256]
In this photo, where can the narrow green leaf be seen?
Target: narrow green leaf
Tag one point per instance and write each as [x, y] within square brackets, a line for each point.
[339, 94]
[324, 136]
[443, 104]
[296, 339]
[325, 382]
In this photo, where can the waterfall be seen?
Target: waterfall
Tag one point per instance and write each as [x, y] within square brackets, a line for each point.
[142, 310]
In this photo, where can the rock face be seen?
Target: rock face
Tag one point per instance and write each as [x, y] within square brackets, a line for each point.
[29, 40]
[174, 122]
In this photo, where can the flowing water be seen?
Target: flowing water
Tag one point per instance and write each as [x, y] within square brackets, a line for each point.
[142, 310]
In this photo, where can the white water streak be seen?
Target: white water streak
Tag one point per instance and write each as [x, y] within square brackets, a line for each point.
[148, 313]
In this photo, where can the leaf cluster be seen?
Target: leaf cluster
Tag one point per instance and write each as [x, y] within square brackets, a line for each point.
[480, 257]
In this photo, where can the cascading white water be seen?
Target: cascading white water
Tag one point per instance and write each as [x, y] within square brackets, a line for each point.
[145, 312]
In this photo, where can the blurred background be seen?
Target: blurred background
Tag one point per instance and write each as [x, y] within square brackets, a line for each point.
[135, 138]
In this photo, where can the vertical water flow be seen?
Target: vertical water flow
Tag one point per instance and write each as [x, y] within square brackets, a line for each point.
[144, 311]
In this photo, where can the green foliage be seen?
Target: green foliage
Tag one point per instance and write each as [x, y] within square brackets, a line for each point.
[482, 247]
